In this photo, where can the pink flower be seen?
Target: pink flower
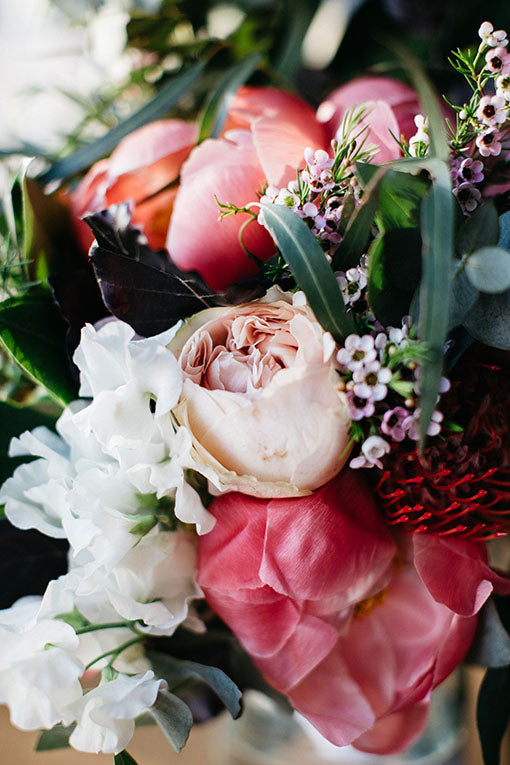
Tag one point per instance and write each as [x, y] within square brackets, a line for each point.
[140, 169]
[334, 615]
[391, 106]
[264, 140]
[392, 423]
[261, 399]
[489, 142]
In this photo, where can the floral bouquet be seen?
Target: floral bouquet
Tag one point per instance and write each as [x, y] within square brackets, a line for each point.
[278, 449]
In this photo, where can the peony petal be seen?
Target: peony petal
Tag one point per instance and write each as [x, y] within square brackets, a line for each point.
[395, 733]
[297, 559]
[251, 103]
[227, 170]
[454, 571]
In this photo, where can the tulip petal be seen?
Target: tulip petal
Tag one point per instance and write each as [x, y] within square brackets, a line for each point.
[280, 146]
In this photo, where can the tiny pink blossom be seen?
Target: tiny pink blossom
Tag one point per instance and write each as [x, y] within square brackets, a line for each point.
[319, 160]
[372, 450]
[412, 427]
[491, 110]
[356, 352]
[370, 381]
[498, 60]
[470, 170]
[490, 37]
[392, 423]
[359, 407]
[468, 196]
[489, 143]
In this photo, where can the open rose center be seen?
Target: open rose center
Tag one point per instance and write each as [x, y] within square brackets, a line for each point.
[241, 354]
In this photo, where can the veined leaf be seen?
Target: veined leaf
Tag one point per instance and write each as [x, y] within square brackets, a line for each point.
[33, 331]
[167, 97]
[310, 268]
[176, 672]
[217, 106]
[173, 717]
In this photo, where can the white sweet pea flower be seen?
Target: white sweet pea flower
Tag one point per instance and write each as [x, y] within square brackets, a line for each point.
[106, 715]
[39, 676]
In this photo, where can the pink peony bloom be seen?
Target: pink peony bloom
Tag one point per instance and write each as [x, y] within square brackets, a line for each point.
[264, 141]
[390, 106]
[140, 169]
[339, 619]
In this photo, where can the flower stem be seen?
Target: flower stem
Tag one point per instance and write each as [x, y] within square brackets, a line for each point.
[114, 653]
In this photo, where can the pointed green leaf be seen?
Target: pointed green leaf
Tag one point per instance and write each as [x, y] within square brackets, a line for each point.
[124, 758]
[173, 717]
[218, 103]
[160, 104]
[310, 268]
[56, 738]
[437, 237]
[176, 672]
[298, 16]
[463, 296]
[33, 331]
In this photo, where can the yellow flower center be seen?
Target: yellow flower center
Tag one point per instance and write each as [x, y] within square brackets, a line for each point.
[365, 607]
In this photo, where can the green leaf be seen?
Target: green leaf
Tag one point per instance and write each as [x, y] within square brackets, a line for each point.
[488, 269]
[437, 237]
[400, 198]
[491, 644]
[310, 268]
[124, 758]
[160, 104]
[56, 738]
[218, 103]
[504, 231]
[15, 420]
[463, 296]
[489, 320]
[365, 172]
[176, 672]
[173, 717]
[394, 273]
[493, 712]
[359, 228]
[479, 230]
[33, 331]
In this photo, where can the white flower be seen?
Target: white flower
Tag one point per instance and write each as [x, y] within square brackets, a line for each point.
[503, 86]
[106, 715]
[352, 283]
[356, 352]
[492, 110]
[39, 676]
[370, 381]
[412, 426]
[372, 450]
[490, 37]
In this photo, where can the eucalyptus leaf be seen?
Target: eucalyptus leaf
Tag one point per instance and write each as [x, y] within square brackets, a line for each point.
[481, 229]
[493, 712]
[310, 268]
[489, 320]
[33, 332]
[124, 758]
[488, 270]
[491, 644]
[173, 717]
[218, 102]
[56, 738]
[176, 672]
[504, 230]
[167, 96]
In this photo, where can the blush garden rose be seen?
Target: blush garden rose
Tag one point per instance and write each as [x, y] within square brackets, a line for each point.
[260, 398]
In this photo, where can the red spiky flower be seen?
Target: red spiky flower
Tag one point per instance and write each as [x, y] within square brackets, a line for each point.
[461, 485]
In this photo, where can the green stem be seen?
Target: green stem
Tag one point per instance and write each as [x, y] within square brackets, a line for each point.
[115, 652]
[107, 626]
